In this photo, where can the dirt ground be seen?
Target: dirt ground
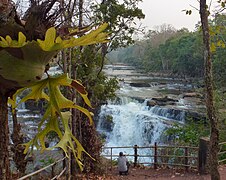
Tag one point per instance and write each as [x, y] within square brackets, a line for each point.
[160, 174]
[147, 174]
[164, 174]
[142, 173]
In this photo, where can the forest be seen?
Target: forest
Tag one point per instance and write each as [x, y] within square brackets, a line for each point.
[177, 53]
[169, 52]
[79, 37]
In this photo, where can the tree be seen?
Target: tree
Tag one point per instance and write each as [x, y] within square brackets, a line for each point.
[29, 46]
[160, 34]
[211, 113]
[91, 61]
[120, 16]
[218, 41]
[176, 53]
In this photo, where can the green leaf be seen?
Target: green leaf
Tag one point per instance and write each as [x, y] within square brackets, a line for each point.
[28, 68]
[56, 113]
[51, 43]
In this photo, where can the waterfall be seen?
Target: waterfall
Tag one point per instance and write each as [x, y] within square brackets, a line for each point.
[27, 118]
[174, 114]
[134, 123]
[21, 107]
[129, 121]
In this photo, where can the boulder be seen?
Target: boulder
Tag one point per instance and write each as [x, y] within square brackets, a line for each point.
[161, 101]
[195, 116]
[140, 84]
[107, 123]
[151, 103]
[164, 99]
[192, 94]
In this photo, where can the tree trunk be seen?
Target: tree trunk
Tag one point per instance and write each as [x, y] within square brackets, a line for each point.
[75, 120]
[4, 139]
[17, 148]
[214, 137]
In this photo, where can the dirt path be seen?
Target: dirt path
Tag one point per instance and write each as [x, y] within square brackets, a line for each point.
[162, 174]
[147, 174]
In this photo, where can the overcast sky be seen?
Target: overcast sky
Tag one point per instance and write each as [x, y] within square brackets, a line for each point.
[158, 12]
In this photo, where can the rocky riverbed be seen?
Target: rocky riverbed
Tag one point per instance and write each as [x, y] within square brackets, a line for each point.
[159, 90]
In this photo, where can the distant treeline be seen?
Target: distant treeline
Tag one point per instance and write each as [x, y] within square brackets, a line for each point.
[178, 52]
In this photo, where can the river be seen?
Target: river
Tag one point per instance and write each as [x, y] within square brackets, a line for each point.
[130, 121]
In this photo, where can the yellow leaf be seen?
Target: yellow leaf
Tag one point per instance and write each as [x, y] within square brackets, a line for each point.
[219, 43]
[91, 38]
[55, 112]
[49, 41]
[80, 88]
[21, 39]
[53, 43]
[9, 40]
[212, 47]
[3, 42]
[59, 40]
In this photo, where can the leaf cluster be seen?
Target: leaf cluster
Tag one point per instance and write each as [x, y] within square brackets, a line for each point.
[120, 16]
[188, 134]
[57, 115]
[99, 86]
[181, 53]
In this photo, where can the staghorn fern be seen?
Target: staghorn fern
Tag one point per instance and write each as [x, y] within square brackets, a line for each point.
[22, 65]
[23, 62]
[56, 111]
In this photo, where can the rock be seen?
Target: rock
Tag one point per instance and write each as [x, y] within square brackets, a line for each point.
[161, 101]
[107, 123]
[196, 116]
[164, 99]
[140, 84]
[139, 99]
[151, 103]
[192, 94]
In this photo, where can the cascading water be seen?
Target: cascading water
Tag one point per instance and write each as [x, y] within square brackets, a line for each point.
[145, 108]
[28, 118]
[134, 123]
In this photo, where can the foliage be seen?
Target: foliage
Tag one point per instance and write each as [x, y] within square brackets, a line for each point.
[29, 68]
[188, 134]
[47, 161]
[100, 87]
[218, 37]
[178, 54]
[120, 16]
[57, 114]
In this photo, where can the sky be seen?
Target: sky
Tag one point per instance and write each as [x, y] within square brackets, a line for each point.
[158, 12]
